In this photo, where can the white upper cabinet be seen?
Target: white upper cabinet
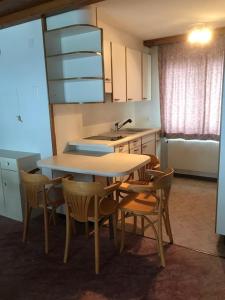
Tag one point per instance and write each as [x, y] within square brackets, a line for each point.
[74, 64]
[146, 76]
[119, 73]
[73, 49]
[134, 75]
[107, 66]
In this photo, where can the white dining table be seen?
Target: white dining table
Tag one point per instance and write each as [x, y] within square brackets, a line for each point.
[99, 164]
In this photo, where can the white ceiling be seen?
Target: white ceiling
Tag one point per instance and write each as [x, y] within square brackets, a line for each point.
[150, 19]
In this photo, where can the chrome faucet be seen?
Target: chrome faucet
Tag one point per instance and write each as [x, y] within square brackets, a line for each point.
[117, 126]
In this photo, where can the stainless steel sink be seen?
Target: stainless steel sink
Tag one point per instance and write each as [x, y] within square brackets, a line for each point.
[105, 137]
[134, 130]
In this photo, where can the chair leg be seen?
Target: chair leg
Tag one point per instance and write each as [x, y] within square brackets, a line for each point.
[122, 230]
[135, 224]
[167, 223]
[86, 230]
[115, 228]
[68, 237]
[161, 252]
[96, 247]
[26, 222]
[46, 229]
[72, 226]
[142, 225]
[52, 215]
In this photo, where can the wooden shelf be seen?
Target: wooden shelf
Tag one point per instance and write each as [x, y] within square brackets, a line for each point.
[72, 30]
[70, 75]
[77, 54]
[76, 79]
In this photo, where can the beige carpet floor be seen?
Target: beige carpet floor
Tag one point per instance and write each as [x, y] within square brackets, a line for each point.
[193, 211]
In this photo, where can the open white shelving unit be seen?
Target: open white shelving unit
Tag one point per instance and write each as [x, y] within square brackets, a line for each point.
[74, 59]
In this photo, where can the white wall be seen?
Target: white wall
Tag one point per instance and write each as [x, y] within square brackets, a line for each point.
[23, 90]
[73, 121]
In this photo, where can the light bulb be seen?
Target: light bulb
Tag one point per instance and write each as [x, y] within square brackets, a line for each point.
[201, 35]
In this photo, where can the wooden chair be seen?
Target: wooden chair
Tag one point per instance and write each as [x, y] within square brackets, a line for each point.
[41, 192]
[150, 202]
[89, 201]
[143, 178]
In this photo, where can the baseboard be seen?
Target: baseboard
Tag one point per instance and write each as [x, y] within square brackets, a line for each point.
[177, 174]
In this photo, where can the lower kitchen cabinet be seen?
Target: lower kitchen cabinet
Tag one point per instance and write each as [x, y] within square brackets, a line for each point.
[11, 191]
[11, 199]
[148, 148]
[149, 144]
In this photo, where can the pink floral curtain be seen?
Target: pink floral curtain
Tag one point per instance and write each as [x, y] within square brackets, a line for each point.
[191, 90]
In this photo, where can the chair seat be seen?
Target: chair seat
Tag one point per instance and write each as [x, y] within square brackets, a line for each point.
[106, 208]
[141, 203]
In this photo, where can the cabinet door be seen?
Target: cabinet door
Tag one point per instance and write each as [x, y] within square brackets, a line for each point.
[134, 76]
[11, 188]
[2, 202]
[118, 73]
[146, 75]
[107, 66]
[149, 148]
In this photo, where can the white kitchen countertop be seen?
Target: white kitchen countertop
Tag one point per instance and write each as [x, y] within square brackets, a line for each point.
[102, 164]
[129, 137]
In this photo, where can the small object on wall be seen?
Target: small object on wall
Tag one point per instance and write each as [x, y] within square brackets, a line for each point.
[19, 118]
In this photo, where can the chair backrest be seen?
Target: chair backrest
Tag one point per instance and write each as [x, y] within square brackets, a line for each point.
[33, 187]
[164, 182]
[154, 164]
[78, 196]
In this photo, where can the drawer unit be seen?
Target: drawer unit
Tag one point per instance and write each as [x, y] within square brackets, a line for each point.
[122, 148]
[136, 150]
[11, 162]
[135, 144]
[8, 164]
[11, 191]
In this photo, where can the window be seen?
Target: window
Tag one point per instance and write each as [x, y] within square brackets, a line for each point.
[191, 90]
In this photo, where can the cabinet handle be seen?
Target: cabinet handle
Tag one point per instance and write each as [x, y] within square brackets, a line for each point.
[130, 99]
[116, 99]
[5, 184]
[107, 79]
[144, 147]
[144, 98]
[7, 163]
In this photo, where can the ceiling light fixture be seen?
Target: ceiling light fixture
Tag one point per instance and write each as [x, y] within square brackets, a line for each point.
[200, 34]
